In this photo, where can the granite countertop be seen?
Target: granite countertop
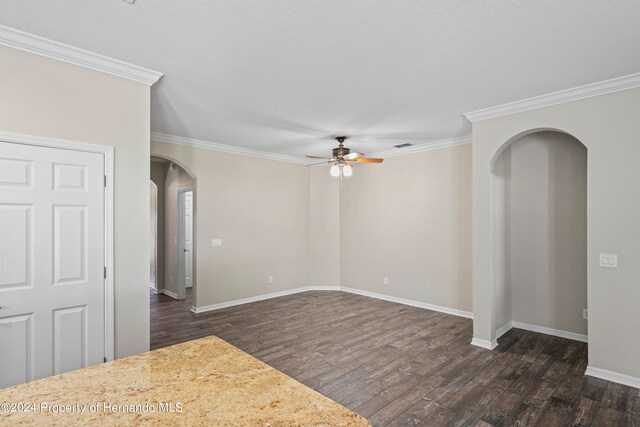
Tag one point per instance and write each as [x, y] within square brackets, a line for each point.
[201, 382]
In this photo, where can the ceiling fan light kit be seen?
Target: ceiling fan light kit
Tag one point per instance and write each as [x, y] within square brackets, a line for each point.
[342, 159]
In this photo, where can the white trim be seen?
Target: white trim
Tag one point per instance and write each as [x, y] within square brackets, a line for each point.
[550, 331]
[213, 146]
[154, 250]
[168, 293]
[403, 301]
[593, 89]
[489, 345]
[504, 329]
[153, 289]
[223, 148]
[613, 376]
[262, 297]
[109, 284]
[412, 303]
[427, 146]
[51, 49]
[182, 286]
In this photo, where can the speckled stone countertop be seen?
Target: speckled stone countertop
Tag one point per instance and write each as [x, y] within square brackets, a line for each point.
[204, 382]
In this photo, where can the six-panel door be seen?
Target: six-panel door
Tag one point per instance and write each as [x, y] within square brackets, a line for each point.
[51, 261]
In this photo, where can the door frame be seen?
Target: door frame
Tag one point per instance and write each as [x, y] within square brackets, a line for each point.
[154, 249]
[182, 286]
[108, 155]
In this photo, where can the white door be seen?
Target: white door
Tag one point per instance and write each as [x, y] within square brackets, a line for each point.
[51, 261]
[188, 237]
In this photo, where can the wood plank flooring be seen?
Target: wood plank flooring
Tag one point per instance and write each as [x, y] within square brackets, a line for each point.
[404, 366]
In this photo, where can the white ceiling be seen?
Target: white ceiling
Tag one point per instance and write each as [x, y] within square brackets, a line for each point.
[283, 76]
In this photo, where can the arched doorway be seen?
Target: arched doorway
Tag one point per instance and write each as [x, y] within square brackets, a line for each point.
[539, 227]
[176, 229]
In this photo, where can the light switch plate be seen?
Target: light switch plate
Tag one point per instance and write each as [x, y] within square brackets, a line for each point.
[216, 243]
[609, 260]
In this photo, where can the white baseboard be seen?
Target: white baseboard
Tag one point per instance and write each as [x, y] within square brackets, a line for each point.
[153, 288]
[489, 345]
[262, 297]
[504, 329]
[168, 293]
[550, 331]
[613, 376]
[412, 303]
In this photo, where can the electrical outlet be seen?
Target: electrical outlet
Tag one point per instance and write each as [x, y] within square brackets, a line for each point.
[216, 243]
[270, 280]
[171, 279]
[585, 314]
[385, 281]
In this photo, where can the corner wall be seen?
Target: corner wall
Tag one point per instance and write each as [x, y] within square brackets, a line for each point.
[175, 179]
[324, 223]
[260, 210]
[49, 98]
[159, 177]
[608, 126]
[409, 219]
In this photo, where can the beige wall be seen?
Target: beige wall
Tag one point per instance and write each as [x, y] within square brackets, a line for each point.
[159, 176]
[608, 126]
[176, 179]
[44, 97]
[502, 245]
[409, 219]
[324, 223]
[260, 210]
[546, 230]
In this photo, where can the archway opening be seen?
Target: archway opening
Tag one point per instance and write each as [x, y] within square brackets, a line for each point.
[540, 235]
[174, 246]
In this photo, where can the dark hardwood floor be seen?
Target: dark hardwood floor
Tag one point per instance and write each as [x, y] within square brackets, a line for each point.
[403, 366]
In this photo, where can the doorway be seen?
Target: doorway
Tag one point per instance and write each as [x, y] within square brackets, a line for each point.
[185, 239]
[540, 235]
[175, 245]
[55, 239]
[153, 237]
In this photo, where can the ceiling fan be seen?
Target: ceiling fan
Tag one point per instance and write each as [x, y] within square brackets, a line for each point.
[342, 159]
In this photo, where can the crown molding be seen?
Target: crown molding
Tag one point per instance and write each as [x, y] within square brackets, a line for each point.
[48, 48]
[427, 146]
[593, 89]
[207, 145]
[213, 146]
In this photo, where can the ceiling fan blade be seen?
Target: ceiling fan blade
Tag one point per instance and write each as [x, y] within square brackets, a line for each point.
[318, 157]
[353, 155]
[321, 163]
[368, 160]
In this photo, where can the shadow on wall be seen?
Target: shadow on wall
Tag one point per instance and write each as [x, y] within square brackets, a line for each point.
[540, 225]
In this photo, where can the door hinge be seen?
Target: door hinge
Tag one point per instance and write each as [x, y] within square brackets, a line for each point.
[105, 272]
[105, 180]
[105, 359]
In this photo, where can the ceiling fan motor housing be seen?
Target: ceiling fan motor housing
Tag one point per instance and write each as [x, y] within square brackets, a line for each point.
[340, 152]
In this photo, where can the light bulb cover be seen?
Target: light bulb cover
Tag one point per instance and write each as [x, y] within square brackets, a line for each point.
[347, 170]
[335, 171]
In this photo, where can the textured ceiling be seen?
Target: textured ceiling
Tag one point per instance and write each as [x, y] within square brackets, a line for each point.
[285, 75]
